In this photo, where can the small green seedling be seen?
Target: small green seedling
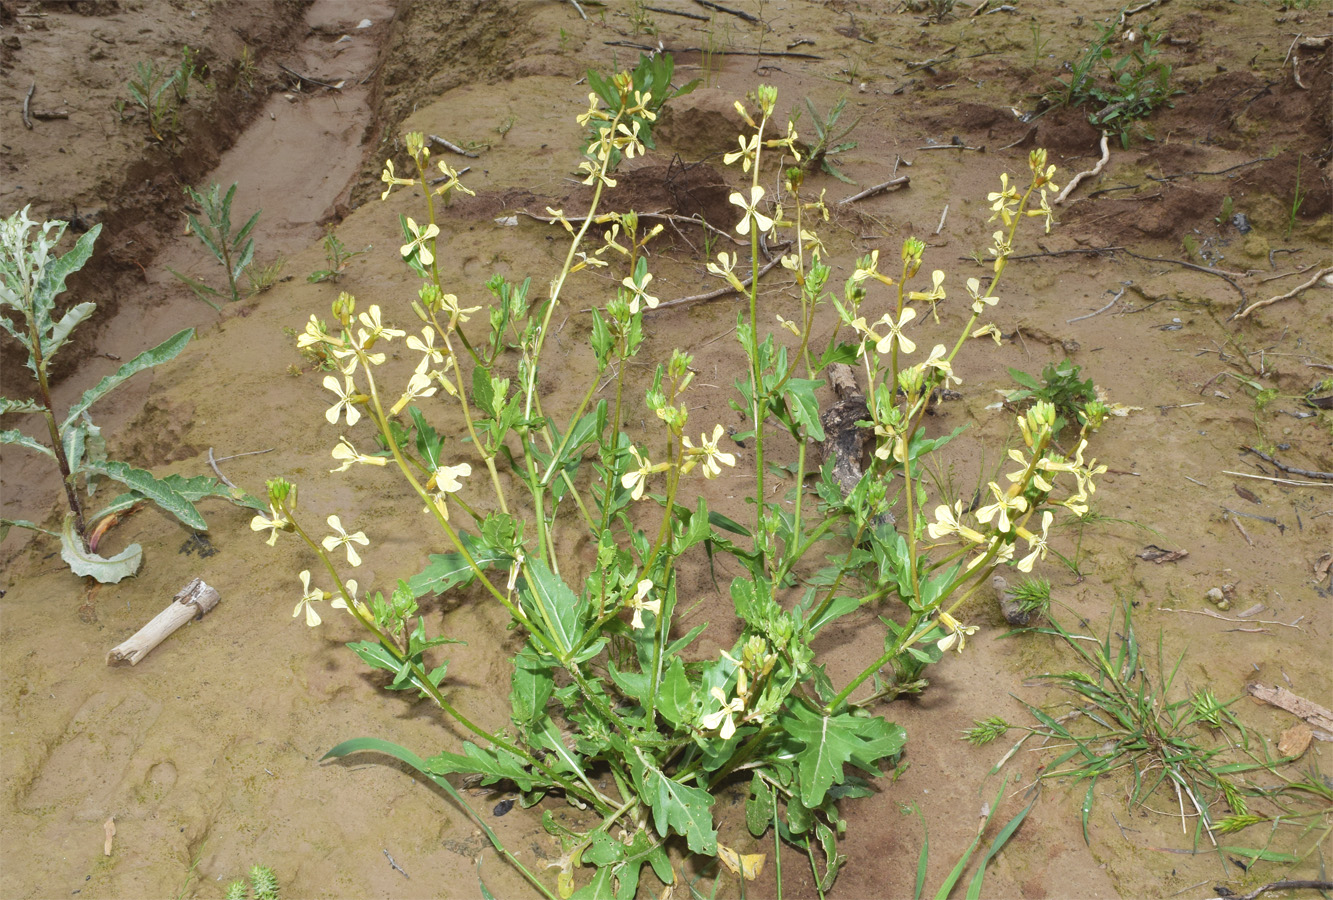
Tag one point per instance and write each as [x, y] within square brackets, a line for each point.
[338, 257]
[152, 90]
[263, 886]
[31, 278]
[1061, 386]
[234, 251]
[829, 140]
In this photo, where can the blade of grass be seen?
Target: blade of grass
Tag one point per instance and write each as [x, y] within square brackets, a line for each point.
[974, 889]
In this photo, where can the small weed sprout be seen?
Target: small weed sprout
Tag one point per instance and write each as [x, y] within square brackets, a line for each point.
[1033, 595]
[1134, 86]
[263, 886]
[31, 278]
[1297, 201]
[151, 89]
[234, 250]
[247, 69]
[338, 257]
[983, 731]
[1061, 386]
[503, 468]
[262, 278]
[1131, 722]
[829, 140]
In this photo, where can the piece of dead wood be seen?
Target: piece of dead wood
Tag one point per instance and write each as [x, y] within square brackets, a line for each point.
[452, 147]
[1090, 173]
[109, 829]
[900, 181]
[1318, 718]
[45, 114]
[1010, 606]
[846, 443]
[195, 599]
[1322, 566]
[1259, 304]
[1155, 554]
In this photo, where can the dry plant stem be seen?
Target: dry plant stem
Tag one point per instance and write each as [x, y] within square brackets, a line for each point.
[1213, 615]
[1283, 886]
[1280, 480]
[1259, 304]
[1091, 173]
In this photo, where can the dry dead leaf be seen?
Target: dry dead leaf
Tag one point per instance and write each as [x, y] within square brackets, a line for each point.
[747, 865]
[1322, 566]
[1294, 740]
[1155, 554]
[1246, 495]
[109, 826]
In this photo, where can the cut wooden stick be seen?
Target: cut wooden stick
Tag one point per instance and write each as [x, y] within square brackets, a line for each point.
[1090, 173]
[195, 599]
[450, 145]
[1259, 304]
[900, 181]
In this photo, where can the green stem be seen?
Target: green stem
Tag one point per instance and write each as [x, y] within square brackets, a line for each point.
[424, 683]
[48, 413]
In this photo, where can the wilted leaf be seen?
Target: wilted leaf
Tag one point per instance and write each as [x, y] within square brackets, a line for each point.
[105, 570]
[746, 865]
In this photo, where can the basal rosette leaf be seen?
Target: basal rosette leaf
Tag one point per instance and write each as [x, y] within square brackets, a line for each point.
[828, 743]
[106, 570]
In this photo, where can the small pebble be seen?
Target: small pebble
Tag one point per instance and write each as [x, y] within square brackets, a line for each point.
[502, 807]
[1216, 597]
[364, 23]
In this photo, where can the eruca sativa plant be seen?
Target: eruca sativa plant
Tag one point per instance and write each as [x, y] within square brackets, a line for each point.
[613, 709]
